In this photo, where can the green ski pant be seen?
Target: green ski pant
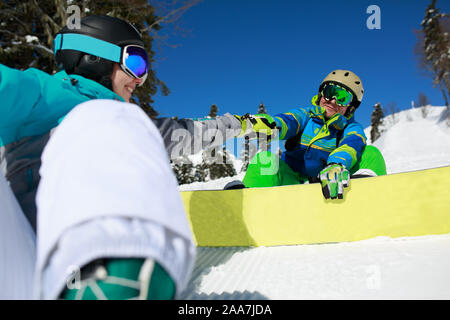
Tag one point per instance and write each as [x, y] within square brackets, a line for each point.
[267, 170]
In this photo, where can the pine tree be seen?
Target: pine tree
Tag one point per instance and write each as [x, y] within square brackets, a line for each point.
[222, 166]
[263, 145]
[436, 41]
[376, 121]
[249, 149]
[201, 172]
[248, 152]
[184, 170]
[213, 111]
[245, 154]
[28, 28]
[216, 162]
[423, 100]
[261, 109]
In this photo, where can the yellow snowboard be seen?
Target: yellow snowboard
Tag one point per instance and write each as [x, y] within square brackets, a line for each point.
[398, 205]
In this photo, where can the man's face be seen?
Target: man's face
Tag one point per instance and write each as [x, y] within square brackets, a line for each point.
[331, 107]
[123, 84]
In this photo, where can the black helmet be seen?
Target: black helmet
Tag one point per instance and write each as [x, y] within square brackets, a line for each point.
[86, 51]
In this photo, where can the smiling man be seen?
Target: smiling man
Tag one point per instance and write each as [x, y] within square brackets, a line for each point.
[323, 142]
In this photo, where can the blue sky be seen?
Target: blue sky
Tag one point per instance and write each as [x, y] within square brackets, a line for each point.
[243, 52]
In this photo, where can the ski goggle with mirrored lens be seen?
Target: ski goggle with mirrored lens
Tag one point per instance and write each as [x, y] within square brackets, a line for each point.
[135, 62]
[133, 59]
[333, 91]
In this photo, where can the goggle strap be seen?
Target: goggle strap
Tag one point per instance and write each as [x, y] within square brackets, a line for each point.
[89, 45]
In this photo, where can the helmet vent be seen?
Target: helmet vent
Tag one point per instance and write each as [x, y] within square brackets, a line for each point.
[346, 74]
[357, 82]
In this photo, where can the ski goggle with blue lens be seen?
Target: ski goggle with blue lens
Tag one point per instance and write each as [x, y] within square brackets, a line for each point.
[333, 91]
[132, 59]
[135, 61]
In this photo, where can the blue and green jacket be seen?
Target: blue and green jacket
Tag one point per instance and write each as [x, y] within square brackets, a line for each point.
[318, 145]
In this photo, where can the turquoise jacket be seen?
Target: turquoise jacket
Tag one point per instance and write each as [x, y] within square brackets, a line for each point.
[318, 145]
[33, 102]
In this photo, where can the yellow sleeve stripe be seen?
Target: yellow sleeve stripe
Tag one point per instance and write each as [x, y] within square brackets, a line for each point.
[298, 123]
[349, 150]
[284, 128]
[356, 133]
[315, 147]
[341, 158]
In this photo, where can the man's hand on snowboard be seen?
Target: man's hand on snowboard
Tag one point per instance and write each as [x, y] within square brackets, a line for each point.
[334, 178]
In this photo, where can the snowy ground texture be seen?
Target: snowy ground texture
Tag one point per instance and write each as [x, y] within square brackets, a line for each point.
[380, 268]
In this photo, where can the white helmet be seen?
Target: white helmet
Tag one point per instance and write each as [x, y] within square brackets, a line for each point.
[349, 81]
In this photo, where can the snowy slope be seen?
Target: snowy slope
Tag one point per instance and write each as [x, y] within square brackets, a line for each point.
[415, 268]
[414, 142]
[380, 268]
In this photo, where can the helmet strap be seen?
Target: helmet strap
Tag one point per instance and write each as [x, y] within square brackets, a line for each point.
[350, 111]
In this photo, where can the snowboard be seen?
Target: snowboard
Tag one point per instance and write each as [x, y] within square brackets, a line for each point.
[397, 205]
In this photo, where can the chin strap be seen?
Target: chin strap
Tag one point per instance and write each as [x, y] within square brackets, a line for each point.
[349, 113]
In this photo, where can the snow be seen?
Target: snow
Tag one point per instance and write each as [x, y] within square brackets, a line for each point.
[380, 268]
[217, 184]
[415, 268]
[415, 139]
[30, 39]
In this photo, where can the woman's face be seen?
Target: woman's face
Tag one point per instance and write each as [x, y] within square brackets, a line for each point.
[331, 107]
[123, 84]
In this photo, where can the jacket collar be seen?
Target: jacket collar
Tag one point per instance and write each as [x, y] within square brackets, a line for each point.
[338, 121]
[88, 87]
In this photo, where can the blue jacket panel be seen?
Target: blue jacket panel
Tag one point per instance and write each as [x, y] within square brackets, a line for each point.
[317, 146]
[33, 102]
